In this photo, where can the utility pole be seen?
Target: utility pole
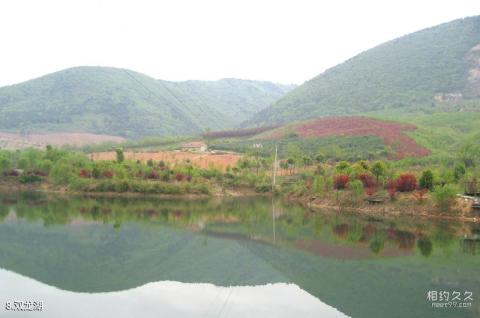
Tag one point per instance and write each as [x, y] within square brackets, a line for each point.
[274, 168]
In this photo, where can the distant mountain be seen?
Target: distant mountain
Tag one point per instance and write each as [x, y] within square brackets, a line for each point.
[125, 103]
[422, 71]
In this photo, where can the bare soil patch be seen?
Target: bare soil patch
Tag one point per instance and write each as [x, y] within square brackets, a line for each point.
[202, 160]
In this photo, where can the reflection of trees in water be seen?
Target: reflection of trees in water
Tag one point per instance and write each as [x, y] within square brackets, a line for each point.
[4, 210]
[471, 246]
[471, 243]
[425, 246]
[251, 218]
[405, 240]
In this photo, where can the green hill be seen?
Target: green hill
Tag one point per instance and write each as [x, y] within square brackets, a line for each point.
[433, 69]
[125, 103]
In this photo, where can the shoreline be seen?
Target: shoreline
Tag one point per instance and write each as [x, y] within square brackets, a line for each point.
[385, 209]
[48, 189]
[361, 207]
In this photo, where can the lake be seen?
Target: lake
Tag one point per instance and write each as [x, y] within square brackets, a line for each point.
[229, 257]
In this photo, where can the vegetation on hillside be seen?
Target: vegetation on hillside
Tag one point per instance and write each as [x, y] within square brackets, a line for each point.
[125, 103]
[449, 136]
[400, 76]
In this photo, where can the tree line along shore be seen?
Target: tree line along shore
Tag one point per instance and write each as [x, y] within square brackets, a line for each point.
[369, 187]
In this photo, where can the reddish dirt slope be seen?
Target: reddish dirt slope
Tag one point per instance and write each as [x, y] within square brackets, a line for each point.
[392, 134]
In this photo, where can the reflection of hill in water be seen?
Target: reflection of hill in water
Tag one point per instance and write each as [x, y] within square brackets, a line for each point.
[100, 259]
[92, 257]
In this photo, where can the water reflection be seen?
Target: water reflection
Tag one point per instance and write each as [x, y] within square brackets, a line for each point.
[362, 266]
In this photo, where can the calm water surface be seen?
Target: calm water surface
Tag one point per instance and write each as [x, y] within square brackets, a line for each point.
[249, 257]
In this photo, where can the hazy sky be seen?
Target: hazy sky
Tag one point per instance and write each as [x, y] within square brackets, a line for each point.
[281, 41]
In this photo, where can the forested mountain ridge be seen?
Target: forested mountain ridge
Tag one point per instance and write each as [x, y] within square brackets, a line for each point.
[121, 102]
[422, 71]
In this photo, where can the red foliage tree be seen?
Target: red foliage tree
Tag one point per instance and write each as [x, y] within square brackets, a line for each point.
[392, 189]
[179, 176]
[367, 179]
[153, 175]
[340, 181]
[107, 174]
[371, 191]
[406, 182]
[84, 173]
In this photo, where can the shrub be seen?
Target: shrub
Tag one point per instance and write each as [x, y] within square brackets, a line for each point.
[445, 196]
[120, 155]
[357, 189]
[122, 186]
[471, 185]
[340, 181]
[342, 166]
[263, 188]
[179, 176]
[406, 182]
[153, 175]
[371, 191]
[105, 186]
[80, 184]
[96, 173]
[29, 178]
[40, 173]
[107, 174]
[165, 175]
[202, 188]
[391, 189]
[426, 180]
[378, 169]
[318, 185]
[84, 173]
[61, 172]
[11, 173]
[320, 170]
[367, 180]
[459, 171]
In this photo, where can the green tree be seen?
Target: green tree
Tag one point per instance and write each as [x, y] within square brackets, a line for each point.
[459, 171]
[320, 157]
[445, 197]
[5, 161]
[120, 155]
[307, 161]
[356, 186]
[342, 166]
[426, 180]
[378, 169]
[468, 154]
[61, 172]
